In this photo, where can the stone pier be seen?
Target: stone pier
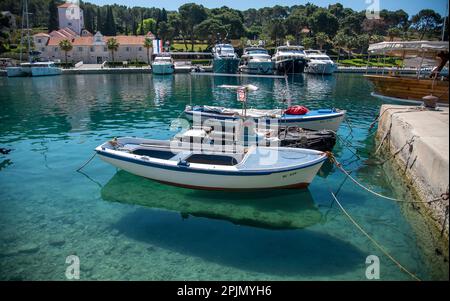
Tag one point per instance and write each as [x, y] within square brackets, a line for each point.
[418, 141]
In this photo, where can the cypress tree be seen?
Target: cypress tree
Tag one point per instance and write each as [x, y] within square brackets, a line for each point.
[99, 24]
[53, 16]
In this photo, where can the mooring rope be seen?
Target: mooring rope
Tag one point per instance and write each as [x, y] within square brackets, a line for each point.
[442, 197]
[87, 162]
[380, 247]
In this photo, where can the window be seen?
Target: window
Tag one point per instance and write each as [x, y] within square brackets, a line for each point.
[127, 49]
[39, 41]
[140, 48]
[92, 49]
[80, 49]
[70, 23]
[105, 49]
[43, 49]
[56, 49]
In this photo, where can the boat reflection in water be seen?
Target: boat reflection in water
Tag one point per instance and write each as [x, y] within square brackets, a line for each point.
[277, 209]
[162, 85]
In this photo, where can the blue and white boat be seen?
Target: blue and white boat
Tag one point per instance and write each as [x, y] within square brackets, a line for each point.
[44, 69]
[163, 64]
[214, 169]
[22, 70]
[225, 59]
[323, 119]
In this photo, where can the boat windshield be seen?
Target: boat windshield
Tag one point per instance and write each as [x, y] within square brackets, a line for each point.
[162, 59]
[325, 58]
[257, 51]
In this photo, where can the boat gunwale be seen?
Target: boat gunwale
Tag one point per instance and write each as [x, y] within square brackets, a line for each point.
[197, 168]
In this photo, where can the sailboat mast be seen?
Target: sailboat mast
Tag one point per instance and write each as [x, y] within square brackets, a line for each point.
[28, 31]
[21, 31]
[445, 20]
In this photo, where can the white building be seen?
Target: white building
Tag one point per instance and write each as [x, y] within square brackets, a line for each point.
[88, 48]
[71, 15]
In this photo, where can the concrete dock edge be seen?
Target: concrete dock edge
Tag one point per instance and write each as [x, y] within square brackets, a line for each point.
[418, 142]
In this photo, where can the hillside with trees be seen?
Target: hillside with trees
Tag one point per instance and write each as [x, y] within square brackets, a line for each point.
[333, 27]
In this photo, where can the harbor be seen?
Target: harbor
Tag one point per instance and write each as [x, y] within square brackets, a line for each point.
[61, 130]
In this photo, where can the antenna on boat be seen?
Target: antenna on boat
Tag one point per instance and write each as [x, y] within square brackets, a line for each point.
[241, 93]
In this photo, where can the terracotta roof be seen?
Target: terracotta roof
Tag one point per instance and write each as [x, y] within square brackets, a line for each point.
[41, 34]
[128, 40]
[65, 5]
[55, 41]
[82, 41]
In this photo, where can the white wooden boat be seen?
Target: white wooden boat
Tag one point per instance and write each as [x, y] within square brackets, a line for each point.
[253, 168]
[323, 119]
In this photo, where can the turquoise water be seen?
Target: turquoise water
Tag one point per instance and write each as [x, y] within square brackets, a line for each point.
[125, 227]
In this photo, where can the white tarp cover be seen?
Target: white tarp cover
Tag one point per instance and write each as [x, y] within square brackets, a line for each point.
[410, 48]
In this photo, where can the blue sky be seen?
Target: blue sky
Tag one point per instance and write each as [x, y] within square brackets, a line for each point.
[410, 6]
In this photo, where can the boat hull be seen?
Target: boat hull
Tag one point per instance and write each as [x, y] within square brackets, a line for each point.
[409, 88]
[225, 65]
[45, 71]
[325, 69]
[162, 69]
[289, 179]
[265, 68]
[330, 122]
[18, 71]
[290, 66]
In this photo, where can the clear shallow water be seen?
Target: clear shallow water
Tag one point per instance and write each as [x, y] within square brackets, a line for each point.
[125, 227]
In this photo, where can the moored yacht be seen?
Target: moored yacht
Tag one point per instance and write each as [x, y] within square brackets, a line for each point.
[163, 64]
[225, 59]
[290, 59]
[319, 63]
[256, 60]
[44, 69]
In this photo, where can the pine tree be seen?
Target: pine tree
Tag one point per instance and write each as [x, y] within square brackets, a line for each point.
[141, 31]
[110, 24]
[163, 17]
[53, 16]
[99, 25]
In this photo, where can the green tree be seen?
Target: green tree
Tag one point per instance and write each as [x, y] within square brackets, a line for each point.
[112, 46]
[321, 39]
[147, 25]
[340, 41]
[308, 42]
[393, 33]
[210, 29]
[363, 42]
[65, 46]
[110, 24]
[148, 43]
[165, 32]
[426, 21]
[322, 21]
[276, 30]
[52, 16]
[296, 21]
[99, 23]
[192, 14]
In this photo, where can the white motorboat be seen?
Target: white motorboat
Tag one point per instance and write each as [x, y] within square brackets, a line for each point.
[289, 59]
[253, 168]
[163, 64]
[256, 60]
[319, 63]
[225, 59]
[44, 69]
[322, 119]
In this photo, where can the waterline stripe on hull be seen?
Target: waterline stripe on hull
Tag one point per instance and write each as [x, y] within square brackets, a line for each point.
[294, 186]
[281, 119]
